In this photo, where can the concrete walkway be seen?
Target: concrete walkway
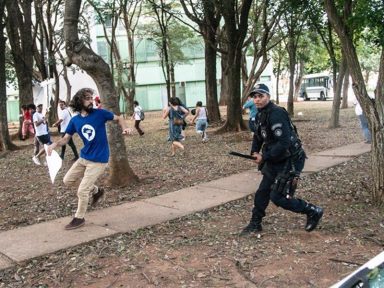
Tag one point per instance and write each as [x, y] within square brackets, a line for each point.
[40, 239]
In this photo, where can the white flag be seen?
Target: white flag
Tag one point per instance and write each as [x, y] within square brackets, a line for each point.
[54, 163]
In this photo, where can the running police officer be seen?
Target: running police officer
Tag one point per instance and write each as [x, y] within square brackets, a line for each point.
[280, 156]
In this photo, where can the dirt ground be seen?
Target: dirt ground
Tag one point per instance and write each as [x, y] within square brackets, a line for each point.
[203, 249]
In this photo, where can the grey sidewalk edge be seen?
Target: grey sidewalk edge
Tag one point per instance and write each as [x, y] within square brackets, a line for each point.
[44, 238]
[19, 245]
[350, 150]
[6, 262]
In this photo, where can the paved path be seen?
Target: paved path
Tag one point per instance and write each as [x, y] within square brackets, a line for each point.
[43, 238]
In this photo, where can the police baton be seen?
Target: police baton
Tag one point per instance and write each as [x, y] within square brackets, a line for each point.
[238, 154]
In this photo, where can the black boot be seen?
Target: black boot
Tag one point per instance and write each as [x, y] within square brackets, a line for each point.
[314, 214]
[253, 226]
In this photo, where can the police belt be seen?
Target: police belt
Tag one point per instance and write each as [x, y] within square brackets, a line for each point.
[282, 158]
[292, 156]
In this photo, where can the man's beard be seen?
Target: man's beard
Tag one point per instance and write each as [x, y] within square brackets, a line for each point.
[89, 108]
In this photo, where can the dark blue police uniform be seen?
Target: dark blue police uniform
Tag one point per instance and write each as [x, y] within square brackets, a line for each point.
[283, 160]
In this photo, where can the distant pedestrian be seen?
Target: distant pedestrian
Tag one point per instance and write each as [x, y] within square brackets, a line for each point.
[184, 126]
[201, 118]
[363, 123]
[176, 114]
[36, 142]
[137, 116]
[64, 118]
[27, 126]
[42, 132]
[89, 124]
[249, 104]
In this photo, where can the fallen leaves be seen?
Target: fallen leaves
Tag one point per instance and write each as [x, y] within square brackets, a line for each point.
[203, 249]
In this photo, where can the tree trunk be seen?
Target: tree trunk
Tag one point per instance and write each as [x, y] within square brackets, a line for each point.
[166, 64]
[19, 30]
[5, 140]
[373, 110]
[244, 70]
[211, 82]
[38, 52]
[292, 64]
[299, 79]
[366, 78]
[55, 101]
[224, 81]
[277, 88]
[172, 79]
[129, 9]
[236, 24]
[68, 84]
[278, 72]
[208, 25]
[332, 56]
[377, 155]
[335, 116]
[120, 172]
[234, 116]
[344, 102]
[132, 80]
[131, 70]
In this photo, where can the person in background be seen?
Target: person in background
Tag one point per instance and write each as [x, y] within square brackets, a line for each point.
[249, 104]
[201, 116]
[36, 142]
[27, 126]
[184, 122]
[42, 133]
[363, 123]
[89, 124]
[137, 117]
[176, 114]
[64, 118]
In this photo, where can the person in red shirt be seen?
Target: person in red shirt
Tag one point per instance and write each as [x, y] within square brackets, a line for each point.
[27, 127]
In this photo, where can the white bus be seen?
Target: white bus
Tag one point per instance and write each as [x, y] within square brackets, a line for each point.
[317, 86]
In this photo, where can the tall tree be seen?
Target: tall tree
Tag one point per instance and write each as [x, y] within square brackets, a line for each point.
[295, 18]
[369, 56]
[278, 58]
[160, 9]
[5, 141]
[344, 102]
[366, 14]
[206, 16]
[108, 15]
[47, 15]
[321, 25]
[78, 53]
[235, 14]
[131, 10]
[19, 31]
[335, 114]
[324, 30]
[262, 38]
[170, 37]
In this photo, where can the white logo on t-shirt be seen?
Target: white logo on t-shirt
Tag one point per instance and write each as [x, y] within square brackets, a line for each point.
[88, 132]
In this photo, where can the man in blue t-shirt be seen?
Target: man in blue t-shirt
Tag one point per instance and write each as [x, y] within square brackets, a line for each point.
[89, 124]
[252, 112]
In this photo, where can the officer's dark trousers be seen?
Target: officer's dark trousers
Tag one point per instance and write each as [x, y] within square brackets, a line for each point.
[264, 194]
